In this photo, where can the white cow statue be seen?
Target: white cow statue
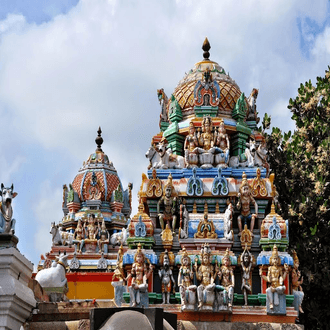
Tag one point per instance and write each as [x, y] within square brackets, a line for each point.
[249, 154]
[59, 236]
[53, 279]
[7, 223]
[119, 238]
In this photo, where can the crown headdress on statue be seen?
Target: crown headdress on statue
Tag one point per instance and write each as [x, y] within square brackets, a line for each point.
[185, 254]
[206, 250]
[244, 182]
[169, 183]
[226, 256]
[275, 255]
[139, 252]
[191, 124]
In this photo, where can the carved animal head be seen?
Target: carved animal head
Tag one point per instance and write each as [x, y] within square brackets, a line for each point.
[251, 145]
[151, 151]
[7, 194]
[63, 260]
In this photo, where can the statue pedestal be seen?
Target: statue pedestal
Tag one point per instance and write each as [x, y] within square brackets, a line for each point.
[7, 241]
[90, 245]
[279, 309]
[120, 288]
[16, 299]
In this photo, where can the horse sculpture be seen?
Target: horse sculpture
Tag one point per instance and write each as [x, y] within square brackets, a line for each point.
[60, 237]
[53, 280]
[7, 223]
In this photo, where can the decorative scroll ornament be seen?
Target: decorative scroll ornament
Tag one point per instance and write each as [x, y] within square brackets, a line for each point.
[259, 186]
[140, 228]
[207, 92]
[220, 185]
[93, 188]
[274, 231]
[154, 187]
[246, 238]
[74, 264]
[102, 263]
[195, 185]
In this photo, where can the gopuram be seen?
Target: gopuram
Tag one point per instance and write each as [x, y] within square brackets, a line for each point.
[206, 242]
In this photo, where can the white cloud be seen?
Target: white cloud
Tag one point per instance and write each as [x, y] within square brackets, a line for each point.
[101, 64]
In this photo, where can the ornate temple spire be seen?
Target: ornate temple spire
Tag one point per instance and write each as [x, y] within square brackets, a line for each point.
[99, 140]
[206, 47]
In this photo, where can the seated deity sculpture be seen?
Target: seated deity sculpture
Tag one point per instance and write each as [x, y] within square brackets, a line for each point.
[168, 202]
[222, 146]
[205, 274]
[206, 144]
[225, 295]
[245, 198]
[205, 227]
[91, 231]
[167, 279]
[191, 147]
[186, 288]
[275, 276]
[78, 236]
[246, 264]
[297, 280]
[139, 275]
[103, 241]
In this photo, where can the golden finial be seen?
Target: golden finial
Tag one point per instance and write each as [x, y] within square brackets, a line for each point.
[227, 254]
[206, 47]
[244, 181]
[295, 257]
[206, 209]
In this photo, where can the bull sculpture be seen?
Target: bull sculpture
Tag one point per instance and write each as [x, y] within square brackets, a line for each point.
[7, 223]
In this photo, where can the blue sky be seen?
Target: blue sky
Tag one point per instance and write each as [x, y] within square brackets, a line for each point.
[67, 67]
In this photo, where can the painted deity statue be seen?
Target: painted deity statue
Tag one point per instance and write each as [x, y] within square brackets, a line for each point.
[246, 264]
[275, 276]
[103, 241]
[205, 274]
[245, 198]
[78, 236]
[222, 146]
[186, 288]
[227, 282]
[297, 280]
[168, 201]
[91, 229]
[166, 278]
[191, 147]
[139, 275]
[206, 143]
[119, 270]
[205, 227]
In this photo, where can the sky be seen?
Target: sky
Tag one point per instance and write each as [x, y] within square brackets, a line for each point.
[68, 67]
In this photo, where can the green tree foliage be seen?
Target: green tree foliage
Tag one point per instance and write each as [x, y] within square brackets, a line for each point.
[301, 163]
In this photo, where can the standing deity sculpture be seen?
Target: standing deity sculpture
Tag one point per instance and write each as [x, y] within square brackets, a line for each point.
[186, 288]
[205, 274]
[166, 278]
[91, 229]
[245, 198]
[78, 236]
[7, 223]
[275, 276]
[191, 147]
[103, 241]
[206, 143]
[169, 203]
[221, 142]
[246, 264]
[139, 274]
[225, 296]
[297, 280]
[228, 222]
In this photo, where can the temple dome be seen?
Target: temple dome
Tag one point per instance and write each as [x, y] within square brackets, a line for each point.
[184, 91]
[98, 178]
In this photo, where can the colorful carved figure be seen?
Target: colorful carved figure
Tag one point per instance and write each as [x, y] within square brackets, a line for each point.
[186, 288]
[7, 223]
[246, 264]
[245, 198]
[191, 147]
[222, 146]
[297, 280]
[228, 222]
[167, 279]
[60, 237]
[225, 295]
[206, 143]
[168, 202]
[119, 271]
[205, 274]
[91, 230]
[78, 236]
[139, 275]
[103, 241]
[275, 276]
[205, 227]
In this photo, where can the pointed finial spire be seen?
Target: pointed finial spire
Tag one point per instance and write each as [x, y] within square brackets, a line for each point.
[99, 140]
[206, 47]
